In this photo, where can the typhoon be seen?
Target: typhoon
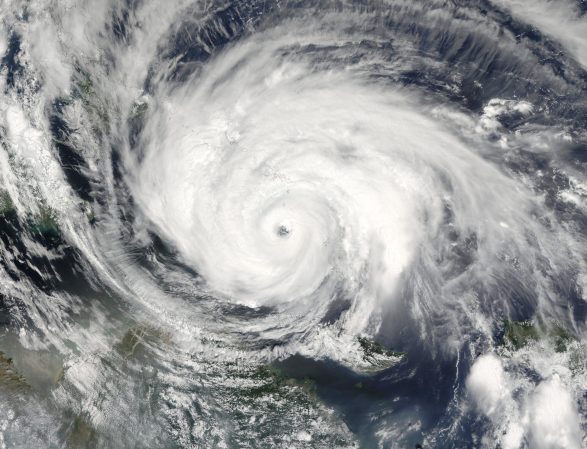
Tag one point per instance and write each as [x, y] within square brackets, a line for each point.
[293, 224]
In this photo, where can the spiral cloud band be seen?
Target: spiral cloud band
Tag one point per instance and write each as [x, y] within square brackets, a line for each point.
[281, 185]
[293, 224]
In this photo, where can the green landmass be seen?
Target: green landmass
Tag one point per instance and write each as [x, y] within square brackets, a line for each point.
[518, 334]
[9, 376]
[134, 339]
[6, 204]
[377, 356]
[372, 348]
[80, 434]
[271, 381]
[45, 222]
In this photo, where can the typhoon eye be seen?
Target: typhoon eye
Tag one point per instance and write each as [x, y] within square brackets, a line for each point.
[283, 231]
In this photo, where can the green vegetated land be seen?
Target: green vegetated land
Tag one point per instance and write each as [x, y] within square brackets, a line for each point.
[10, 378]
[518, 334]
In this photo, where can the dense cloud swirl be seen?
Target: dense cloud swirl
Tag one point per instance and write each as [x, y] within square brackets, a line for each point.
[293, 224]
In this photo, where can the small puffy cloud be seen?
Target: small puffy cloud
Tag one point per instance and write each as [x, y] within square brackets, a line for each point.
[553, 417]
[487, 384]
